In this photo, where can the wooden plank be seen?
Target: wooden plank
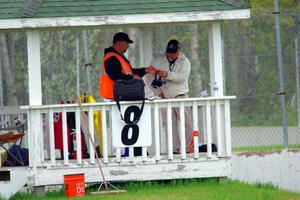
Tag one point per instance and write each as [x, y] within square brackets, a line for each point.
[141, 172]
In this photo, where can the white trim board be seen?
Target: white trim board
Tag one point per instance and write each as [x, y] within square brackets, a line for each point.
[136, 172]
[127, 20]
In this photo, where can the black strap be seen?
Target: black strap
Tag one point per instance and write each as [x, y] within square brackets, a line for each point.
[137, 118]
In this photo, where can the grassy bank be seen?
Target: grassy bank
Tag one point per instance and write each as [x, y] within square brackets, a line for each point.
[208, 189]
[265, 148]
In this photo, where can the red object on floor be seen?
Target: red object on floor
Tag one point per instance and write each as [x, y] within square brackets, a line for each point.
[58, 132]
[191, 146]
[74, 185]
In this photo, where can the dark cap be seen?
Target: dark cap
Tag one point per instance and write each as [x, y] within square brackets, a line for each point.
[121, 36]
[173, 46]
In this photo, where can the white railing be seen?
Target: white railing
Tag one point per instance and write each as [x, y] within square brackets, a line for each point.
[211, 117]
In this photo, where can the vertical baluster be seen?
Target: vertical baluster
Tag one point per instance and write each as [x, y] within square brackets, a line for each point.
[78, 134]
[91, 135]
[156, 132]
[118, 154]
[182, 131]
[31, 145]
[218, 128]
[51, 137]
[195, 128]
[104, 135]
[131, 154]
[65, 136]
[208, 128]
[144, 153]
[227, 127]
[169, 131]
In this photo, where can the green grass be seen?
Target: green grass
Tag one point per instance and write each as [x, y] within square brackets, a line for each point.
[208, 189]
[265, 148]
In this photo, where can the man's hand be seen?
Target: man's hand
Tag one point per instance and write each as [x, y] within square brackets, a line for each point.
[136, 77]
[161, 95]
[163, 74]
[150, 70]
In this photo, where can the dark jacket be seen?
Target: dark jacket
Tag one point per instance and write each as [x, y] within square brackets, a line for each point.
[114, 70]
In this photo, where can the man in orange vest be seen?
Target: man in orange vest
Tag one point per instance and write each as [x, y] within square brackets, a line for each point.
[116, 66]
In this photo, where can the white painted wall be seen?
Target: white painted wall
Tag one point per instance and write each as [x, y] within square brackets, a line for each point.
[281, 169]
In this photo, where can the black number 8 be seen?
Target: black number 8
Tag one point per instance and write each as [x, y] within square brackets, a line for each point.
[131, 124]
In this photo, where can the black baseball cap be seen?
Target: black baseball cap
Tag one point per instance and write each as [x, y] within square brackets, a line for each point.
[173, 46]
[121, 36]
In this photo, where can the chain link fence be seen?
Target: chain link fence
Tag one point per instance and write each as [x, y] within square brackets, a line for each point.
[249, 57]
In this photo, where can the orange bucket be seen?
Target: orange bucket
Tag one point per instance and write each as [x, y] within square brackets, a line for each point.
[74, 185]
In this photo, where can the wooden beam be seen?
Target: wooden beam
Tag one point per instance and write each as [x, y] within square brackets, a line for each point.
[34, 68]
[215, 60]
[117, 20]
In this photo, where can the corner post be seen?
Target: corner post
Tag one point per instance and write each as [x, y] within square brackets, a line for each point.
[215, 60]
[35, 99]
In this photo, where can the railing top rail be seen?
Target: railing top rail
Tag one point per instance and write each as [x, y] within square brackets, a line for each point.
[7, 110]
[129, 102]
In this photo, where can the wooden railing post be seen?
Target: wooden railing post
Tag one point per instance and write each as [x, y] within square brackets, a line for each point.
[35, 138]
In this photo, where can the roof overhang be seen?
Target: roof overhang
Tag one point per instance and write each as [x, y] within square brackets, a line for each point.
[122, 20]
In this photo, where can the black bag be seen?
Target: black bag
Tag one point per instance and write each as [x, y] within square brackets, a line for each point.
[130, 90]
[203, 148]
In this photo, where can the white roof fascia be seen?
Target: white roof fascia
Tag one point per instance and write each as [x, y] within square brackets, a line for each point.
[136, 19]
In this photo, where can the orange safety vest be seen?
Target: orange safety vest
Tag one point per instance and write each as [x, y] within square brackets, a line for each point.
[106, 84]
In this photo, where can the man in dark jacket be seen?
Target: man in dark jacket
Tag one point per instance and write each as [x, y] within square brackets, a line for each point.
[116, 66]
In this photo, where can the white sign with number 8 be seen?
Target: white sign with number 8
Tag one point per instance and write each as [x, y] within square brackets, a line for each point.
[127, 133]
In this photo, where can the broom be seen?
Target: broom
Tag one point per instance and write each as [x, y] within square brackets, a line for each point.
[104, 182]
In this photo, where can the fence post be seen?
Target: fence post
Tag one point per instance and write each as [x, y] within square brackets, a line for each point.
[281, 75]
[297, 80]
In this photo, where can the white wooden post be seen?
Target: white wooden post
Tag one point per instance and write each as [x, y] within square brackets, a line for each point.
[195, 128]
[104, 135]
[216, 80]
[182, 131]
[156, 132]
[35, 98]
[218, 127]
[34, 68]
[145, 46]
[51, 137]
[78, 116]
[91, 135]
[227, 128]
[169, 131]
[208, 128]
[215, 60]
[65, 136]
